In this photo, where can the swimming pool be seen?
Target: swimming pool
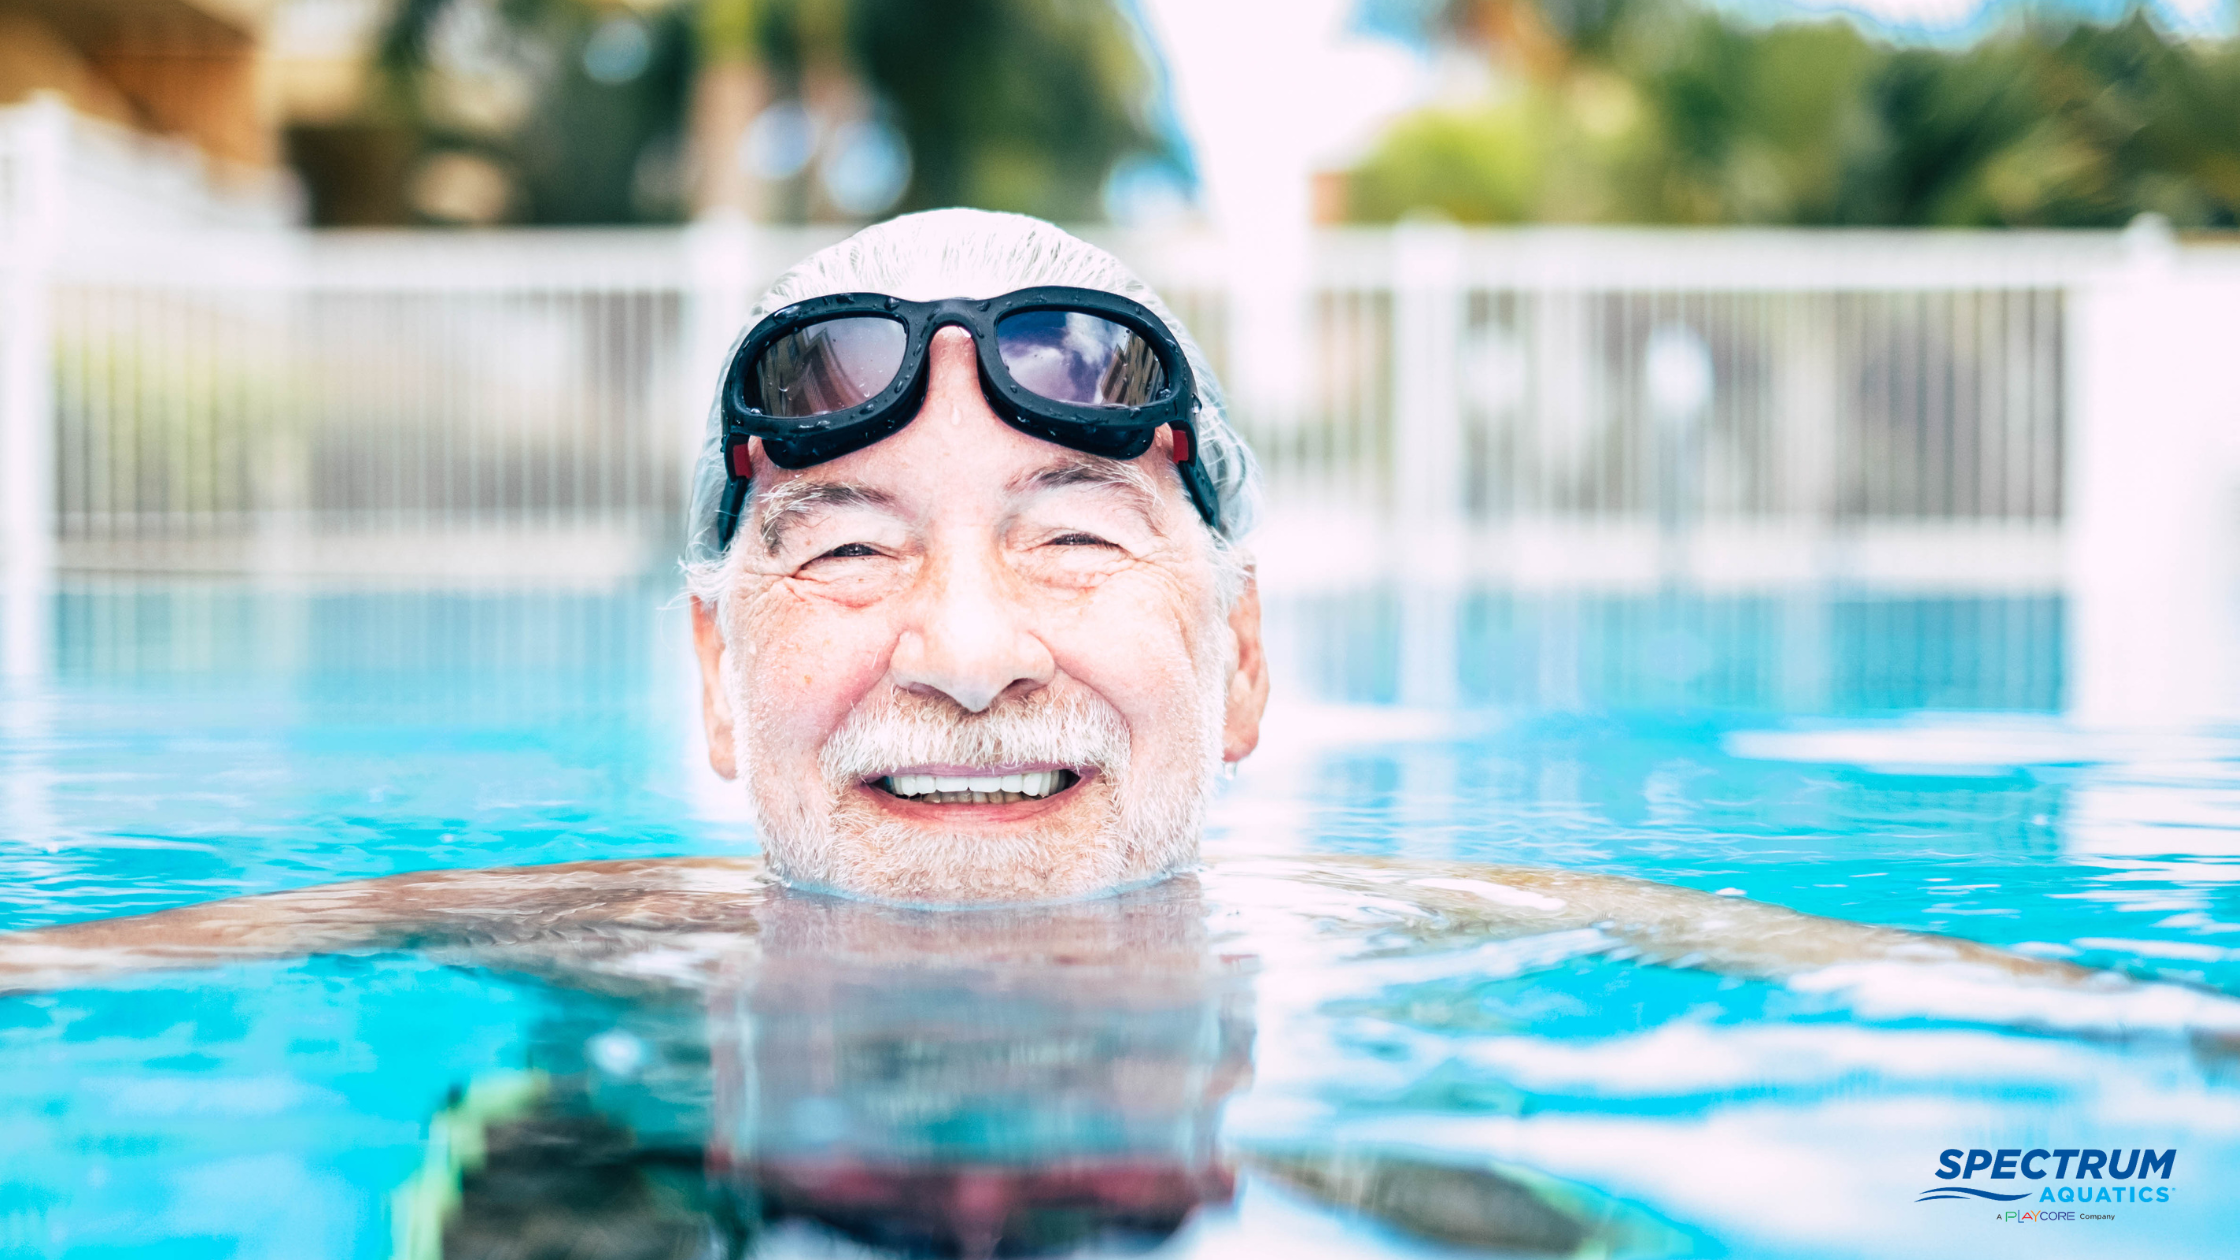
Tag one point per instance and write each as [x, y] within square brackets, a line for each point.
[1893, 760]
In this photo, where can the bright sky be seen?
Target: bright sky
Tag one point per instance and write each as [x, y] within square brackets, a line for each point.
[1268, 90]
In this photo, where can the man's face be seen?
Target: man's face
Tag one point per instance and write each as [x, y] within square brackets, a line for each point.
[964, 664]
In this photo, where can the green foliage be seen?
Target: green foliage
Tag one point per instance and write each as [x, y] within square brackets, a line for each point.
[1666, 113]
[1512, 163]
[578, 147]
[1022, 105]
[1019, 105]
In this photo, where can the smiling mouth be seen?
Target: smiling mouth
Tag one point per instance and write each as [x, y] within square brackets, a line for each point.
[987, 787]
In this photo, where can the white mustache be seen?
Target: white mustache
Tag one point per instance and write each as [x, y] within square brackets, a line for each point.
[1073, 729]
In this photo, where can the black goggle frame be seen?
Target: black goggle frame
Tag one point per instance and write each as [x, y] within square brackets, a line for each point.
[1114, 432]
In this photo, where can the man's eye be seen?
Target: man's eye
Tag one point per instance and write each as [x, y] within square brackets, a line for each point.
[1079, 540]
[848, 550]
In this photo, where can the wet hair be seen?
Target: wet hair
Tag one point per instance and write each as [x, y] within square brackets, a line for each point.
[974, 253]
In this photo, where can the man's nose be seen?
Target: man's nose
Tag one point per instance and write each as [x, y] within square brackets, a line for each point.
[969, 640]
[952, 373]
[967, 637]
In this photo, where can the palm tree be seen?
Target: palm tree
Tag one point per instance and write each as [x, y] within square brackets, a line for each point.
[591, 111]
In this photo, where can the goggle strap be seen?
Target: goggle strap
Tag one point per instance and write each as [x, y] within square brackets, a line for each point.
[1194, 477]
[727, 511]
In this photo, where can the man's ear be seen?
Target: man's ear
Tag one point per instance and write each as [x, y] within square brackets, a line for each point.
[715, 703]
[1248, 683]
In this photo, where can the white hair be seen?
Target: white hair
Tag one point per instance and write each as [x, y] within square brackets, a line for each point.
[979, 253]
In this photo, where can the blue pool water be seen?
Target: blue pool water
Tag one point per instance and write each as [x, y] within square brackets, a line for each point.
[1894, 761]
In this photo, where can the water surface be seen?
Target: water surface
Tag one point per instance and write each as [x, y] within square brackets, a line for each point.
[1253, 1065]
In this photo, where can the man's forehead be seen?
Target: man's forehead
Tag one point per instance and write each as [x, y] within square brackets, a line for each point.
[912, 489]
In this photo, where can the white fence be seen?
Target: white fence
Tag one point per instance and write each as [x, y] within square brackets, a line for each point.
[371, 404]
[214, 396]
[202, 390]
[1645, 405]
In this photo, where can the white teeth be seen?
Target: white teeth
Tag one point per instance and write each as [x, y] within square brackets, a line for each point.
[952, 788]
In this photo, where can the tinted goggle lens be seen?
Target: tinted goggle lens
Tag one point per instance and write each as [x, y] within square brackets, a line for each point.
[829, 366]
[1065, 356]
[1076, 357]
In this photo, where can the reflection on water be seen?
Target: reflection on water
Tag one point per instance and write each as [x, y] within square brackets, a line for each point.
[971, 1084]
[865, 1080]
[1289, 1069]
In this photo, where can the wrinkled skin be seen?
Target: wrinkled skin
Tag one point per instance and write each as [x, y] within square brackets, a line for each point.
[959, 571]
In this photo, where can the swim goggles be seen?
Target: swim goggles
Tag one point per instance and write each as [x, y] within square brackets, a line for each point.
[1082, 368]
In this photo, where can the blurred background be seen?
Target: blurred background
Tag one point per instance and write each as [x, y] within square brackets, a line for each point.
[1778, 447]
[1759, 355]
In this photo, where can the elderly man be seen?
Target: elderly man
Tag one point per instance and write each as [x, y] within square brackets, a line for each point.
[975, 629]
[972, 619]
[974, 626]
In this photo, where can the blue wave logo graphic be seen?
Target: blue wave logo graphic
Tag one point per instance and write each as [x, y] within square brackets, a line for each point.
[1954, 1192]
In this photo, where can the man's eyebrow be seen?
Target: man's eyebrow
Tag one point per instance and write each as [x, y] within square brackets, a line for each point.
[785, 506]
[1093, 470]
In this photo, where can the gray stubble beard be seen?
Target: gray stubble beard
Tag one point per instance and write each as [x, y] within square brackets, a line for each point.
[842, 845]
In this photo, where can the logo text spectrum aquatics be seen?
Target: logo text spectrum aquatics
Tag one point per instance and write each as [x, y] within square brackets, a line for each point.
[2058, 1164]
